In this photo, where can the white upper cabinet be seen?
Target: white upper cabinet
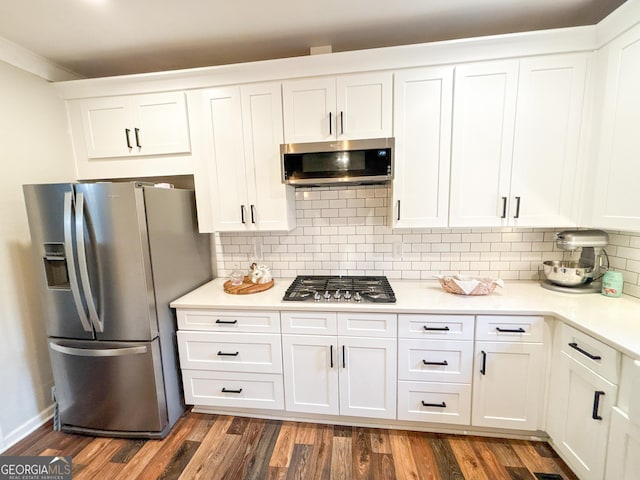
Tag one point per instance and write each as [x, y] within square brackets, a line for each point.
[617, 196]
[344, 107]
[151, 124]
[516, 138]
[482, 146]
[237, 178]
[423, 99]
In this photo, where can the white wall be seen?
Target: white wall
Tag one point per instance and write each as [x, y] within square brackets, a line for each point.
[34, 148]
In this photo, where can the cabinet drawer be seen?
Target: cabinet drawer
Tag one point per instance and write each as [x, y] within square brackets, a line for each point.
[313, 323]
[231, 352]
[229, 321]
[435, 360]
[449, 327]
[368, 324]
[592, 353]
[503, 328]
[233, 389]
[434, 402]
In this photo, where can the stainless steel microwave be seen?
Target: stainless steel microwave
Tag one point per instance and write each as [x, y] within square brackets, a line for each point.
[338, 162]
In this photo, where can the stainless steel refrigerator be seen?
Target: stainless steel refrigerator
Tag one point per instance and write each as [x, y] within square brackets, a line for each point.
[112, 257]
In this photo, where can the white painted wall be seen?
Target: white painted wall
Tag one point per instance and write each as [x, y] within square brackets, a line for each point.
[34, 148]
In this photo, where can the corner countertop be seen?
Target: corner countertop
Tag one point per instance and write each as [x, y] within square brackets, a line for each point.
[615, 321]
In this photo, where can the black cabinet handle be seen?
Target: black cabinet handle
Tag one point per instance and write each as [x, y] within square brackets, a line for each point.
[330, 122]
[575, 346]
[242, 214]
[436, 329]
[341, 123]
[223, 354]
[504, 207]
[331, 355]
[510, 330]
[224, 390]
[126, 134]
[253, 213]
[483, 370]
[596, 404]
[517, 215]
[444, 363]
[136, 131]
[344, 358]
[227, 322]
[398, 217]
[441, 405]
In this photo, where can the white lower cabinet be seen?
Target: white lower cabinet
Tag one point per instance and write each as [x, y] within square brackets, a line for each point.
[337, 374]
[509, 372]
[580, 404]
[623, 455]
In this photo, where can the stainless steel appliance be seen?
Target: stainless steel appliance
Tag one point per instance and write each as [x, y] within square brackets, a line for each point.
[584, 275]
[340, 162]
[344, 289]
[112, 257]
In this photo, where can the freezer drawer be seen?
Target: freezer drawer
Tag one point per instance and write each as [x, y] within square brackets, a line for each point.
[104, 387]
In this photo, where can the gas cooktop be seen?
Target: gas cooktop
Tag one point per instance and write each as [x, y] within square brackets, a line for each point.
[345, 289]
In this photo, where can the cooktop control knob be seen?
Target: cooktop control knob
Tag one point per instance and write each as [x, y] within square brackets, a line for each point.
[317, 296]
[347, 295]
[337, 295]
[327, 295]
[357, 297]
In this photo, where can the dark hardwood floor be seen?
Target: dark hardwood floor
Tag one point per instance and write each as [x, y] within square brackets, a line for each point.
[224, 447]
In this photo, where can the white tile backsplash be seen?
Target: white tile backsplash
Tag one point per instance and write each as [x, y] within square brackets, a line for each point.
[342, 230]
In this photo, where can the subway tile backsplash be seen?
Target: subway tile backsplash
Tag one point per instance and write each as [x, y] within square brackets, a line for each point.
[343, 230]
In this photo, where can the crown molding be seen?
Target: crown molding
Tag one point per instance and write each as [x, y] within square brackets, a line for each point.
[617, 22]
[26, 60]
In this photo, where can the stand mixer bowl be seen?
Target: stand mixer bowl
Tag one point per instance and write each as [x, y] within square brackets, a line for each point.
[567, 273]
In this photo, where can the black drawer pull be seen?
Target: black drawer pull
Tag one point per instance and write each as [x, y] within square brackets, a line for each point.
[483, 370]
[510, 330]
[344, 357]
[224, 354]
[445, 363]
[441, 405]
[224, 390]
[331, 355]
[575, 346]
[517, 215]
[436, 329]
[596, 405]
[227, 322]
[137, 133]
[504, 207]
[126, 134]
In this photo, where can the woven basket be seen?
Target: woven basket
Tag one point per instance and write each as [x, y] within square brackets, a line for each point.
[485, 287]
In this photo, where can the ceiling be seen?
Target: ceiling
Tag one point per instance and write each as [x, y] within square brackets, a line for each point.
[97, 38]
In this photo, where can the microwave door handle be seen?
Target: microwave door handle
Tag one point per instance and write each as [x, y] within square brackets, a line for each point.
[81, 217]
[71, 261]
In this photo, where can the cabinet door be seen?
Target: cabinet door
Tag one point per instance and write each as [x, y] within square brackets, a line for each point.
[310, 364]
[160, 124]
[423, 99]
[576, 396]
[271, 203]
[617, 196]
[508, 385]
[482, 144]
[224, 155]
[623, 455]
[107, 125]
[364, 106]
[368, 377]
[309, 110]
[547, 139]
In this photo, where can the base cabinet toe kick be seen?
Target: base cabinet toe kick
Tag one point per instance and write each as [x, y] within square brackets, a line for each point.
[519, 376]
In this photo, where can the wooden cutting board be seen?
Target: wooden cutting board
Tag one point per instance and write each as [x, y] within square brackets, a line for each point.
[247, 287]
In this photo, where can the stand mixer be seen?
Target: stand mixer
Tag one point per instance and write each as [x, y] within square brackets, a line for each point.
[584, 275]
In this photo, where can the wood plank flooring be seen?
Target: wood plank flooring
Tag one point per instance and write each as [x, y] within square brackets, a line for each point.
[224, 447]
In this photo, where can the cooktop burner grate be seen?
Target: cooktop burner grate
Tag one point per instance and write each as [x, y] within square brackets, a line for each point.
[340, 289]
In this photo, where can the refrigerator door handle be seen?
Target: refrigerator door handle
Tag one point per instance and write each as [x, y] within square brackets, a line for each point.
[82, 263]
[71, 264]
[108, 352]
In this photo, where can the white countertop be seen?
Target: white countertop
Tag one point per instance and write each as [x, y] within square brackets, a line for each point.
[615, 321]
